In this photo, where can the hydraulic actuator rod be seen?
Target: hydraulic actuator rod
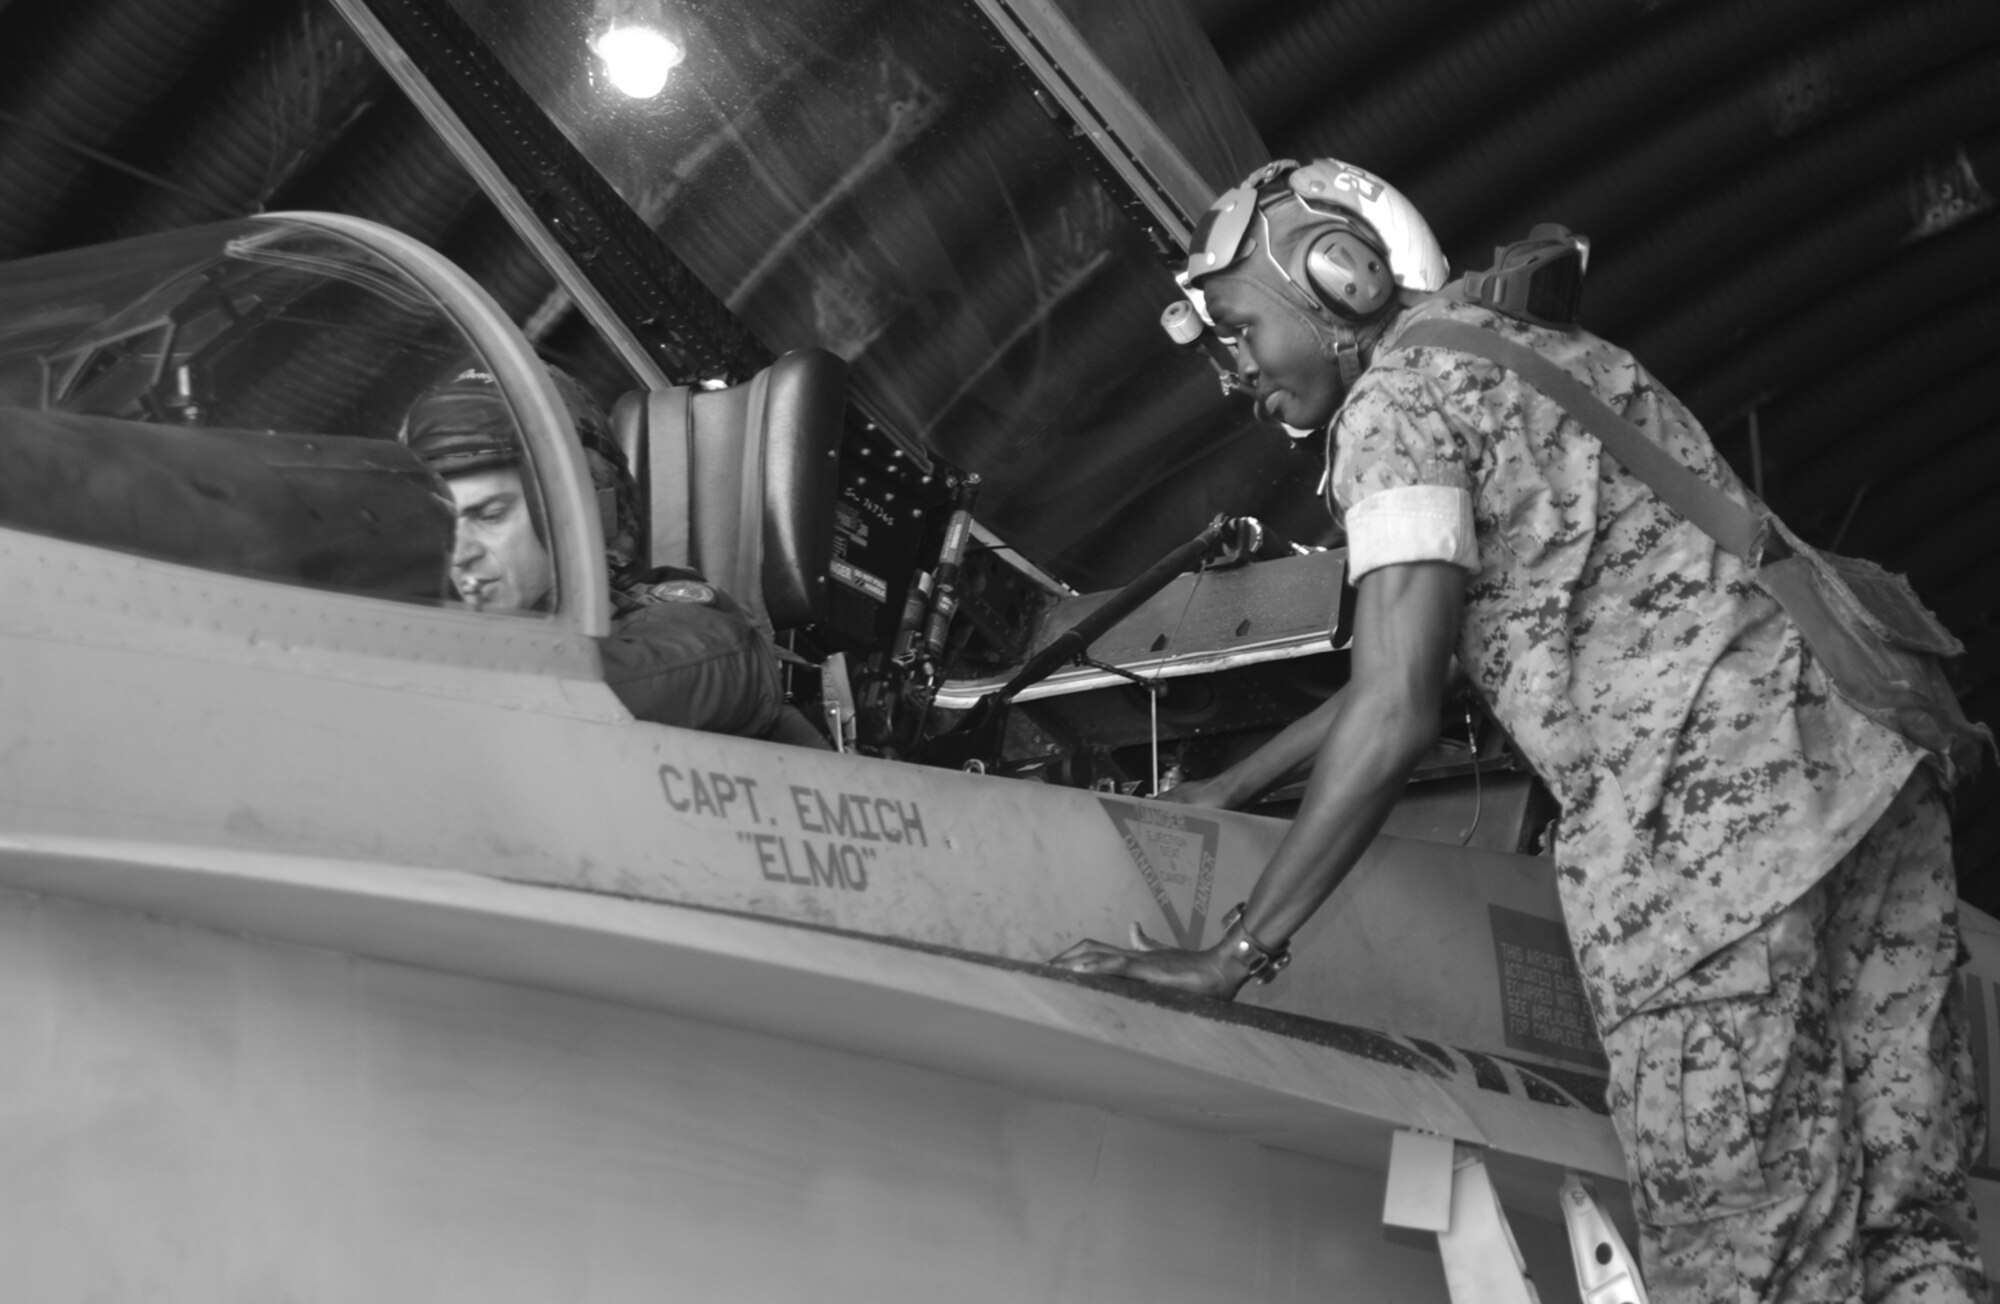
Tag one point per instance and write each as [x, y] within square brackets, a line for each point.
[1074, 641]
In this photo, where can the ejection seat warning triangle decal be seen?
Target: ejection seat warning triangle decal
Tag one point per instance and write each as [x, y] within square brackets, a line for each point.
[1175, 854]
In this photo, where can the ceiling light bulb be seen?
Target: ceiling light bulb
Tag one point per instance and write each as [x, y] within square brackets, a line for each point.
[637, 60]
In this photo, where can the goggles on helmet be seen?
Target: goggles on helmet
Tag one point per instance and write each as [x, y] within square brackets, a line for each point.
[1539, 279]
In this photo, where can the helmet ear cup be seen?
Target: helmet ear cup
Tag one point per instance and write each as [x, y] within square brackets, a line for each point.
[1348, 273]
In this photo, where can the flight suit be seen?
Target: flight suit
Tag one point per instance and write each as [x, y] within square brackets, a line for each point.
[682, 652]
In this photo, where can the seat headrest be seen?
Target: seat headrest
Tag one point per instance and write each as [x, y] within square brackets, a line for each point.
[741, 482]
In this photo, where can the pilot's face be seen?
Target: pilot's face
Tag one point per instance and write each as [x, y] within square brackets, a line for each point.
[1278, 353]
[497, 563]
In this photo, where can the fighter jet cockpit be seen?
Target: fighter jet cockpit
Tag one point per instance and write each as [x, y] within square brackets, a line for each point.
[976, 209]
[878, 324]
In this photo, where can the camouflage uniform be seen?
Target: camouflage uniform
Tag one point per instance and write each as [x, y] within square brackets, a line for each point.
[1799, 1111]
[1708, 776]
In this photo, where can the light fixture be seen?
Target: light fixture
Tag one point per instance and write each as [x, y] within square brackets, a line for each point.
[637, 59]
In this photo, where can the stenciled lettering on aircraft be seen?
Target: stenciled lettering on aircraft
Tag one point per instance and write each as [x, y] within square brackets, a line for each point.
[830, 841]
[828, 864]
[1174, 852]
[1543, 1009]
[710, 792]
[857, 815]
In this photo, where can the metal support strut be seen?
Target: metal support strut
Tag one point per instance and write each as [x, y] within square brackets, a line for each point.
[1606, 1272]
[1439, 1186]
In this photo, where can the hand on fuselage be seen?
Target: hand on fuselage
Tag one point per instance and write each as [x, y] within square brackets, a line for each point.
[1201, 973]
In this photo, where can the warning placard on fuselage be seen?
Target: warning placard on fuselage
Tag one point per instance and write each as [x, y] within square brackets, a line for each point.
[1542, 1002]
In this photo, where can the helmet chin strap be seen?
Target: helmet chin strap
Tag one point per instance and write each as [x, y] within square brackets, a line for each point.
[1342, 343]
[1347, 352]
[1351, 345]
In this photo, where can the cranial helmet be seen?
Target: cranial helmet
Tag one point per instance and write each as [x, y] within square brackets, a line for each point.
[1335, 238]
[462, 425]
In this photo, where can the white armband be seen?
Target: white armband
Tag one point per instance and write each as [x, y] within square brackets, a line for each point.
[1418, 522]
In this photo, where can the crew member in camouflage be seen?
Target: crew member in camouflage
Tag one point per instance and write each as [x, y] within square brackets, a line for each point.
[1756, 878]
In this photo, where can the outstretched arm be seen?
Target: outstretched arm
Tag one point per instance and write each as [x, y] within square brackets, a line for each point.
[1280, 760]
[1377, 729]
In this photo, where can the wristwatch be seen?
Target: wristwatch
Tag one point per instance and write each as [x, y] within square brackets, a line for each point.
[1262, 962]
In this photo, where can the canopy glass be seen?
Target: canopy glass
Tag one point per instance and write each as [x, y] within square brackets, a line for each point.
[885, 180]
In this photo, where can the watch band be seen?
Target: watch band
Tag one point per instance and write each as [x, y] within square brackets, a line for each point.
[1263, 962]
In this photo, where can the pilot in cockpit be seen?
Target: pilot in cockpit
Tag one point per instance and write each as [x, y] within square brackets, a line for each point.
[681, 652]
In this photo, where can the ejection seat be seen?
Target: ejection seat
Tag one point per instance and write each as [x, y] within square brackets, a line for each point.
[740, 484]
